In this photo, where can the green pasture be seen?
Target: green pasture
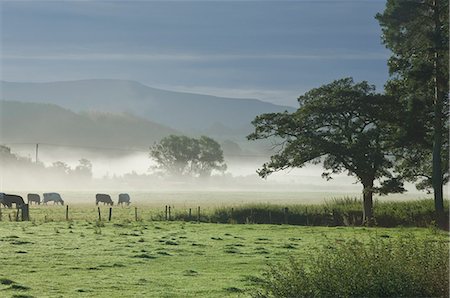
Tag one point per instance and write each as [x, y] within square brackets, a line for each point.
[51, 257]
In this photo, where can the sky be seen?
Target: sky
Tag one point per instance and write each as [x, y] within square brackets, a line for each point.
[270, 50]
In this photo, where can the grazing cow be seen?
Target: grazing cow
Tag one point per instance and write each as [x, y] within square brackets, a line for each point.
[124, 198]
[103, 198]
[34, 197]
[7, 200]
[53, 196]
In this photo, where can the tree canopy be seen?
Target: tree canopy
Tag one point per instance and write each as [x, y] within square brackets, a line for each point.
[417, 33]
[184, 156]
[343, 126]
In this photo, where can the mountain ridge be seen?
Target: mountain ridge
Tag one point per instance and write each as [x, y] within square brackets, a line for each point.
[186, 112]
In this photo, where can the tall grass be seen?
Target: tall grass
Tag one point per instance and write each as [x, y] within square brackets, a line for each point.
[405, 267]
[335, 212]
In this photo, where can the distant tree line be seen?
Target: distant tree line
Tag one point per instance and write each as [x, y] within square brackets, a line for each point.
[15, 166]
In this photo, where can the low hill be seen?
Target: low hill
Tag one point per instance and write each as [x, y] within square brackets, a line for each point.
[49, 123]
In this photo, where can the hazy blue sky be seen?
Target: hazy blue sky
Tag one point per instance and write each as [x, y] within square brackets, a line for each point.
[274, 51]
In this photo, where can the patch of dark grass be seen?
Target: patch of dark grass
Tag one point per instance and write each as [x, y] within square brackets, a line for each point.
[6, 281]
[294, 239]
[144, 256]
[163, 253]
[20, 242]
[233, 290]
[21, 296]
[21, 252]
[83, 290]
[232, 250]
[252, 280]
[19, 287]
[289, 246]
[11, 237]
[142, 281]
[261, 250]
[198, 244]
[216, 238]
[190, 272]
[170, 242]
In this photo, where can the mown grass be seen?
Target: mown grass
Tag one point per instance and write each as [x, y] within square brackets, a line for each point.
[89, 258]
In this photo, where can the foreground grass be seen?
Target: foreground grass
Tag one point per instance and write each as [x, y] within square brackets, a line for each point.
[86, 258]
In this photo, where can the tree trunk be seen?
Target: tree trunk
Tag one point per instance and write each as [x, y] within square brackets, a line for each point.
[438, 127]
[368, 203]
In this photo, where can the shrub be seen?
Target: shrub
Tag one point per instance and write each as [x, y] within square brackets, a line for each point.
[404, 267]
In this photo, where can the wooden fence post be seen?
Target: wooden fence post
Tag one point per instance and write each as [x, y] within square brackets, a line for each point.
[190, 214]
[135, 214]
[25, 212]
[307, 220]
[67, 212]
[169, 214]
[198, 214]
[99, 214]
[110, 214]
[232, 213]
[286, 214]
[166, 213]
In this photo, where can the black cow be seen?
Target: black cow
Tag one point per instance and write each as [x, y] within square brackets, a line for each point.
[103, 198]
[53, 197]
[7, 200]
[124, 198]
[34, 197]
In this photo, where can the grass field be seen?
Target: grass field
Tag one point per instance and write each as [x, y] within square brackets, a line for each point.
[50, 257]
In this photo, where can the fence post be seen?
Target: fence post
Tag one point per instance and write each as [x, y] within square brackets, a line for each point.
[67, 212]
[286, 214]
[307, 220]
[110, 214]
[25, 212]
[232, 214]
[166, 212]
[135, 214]
[169, 214]
[198, 214]
[99, 215]
[190, 214]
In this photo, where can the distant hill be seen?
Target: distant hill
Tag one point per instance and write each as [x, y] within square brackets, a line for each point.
[187, 112]
[49, 123]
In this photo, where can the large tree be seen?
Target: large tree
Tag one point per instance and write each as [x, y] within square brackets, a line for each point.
[417, 34]
[342, 125]
[184, 156]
